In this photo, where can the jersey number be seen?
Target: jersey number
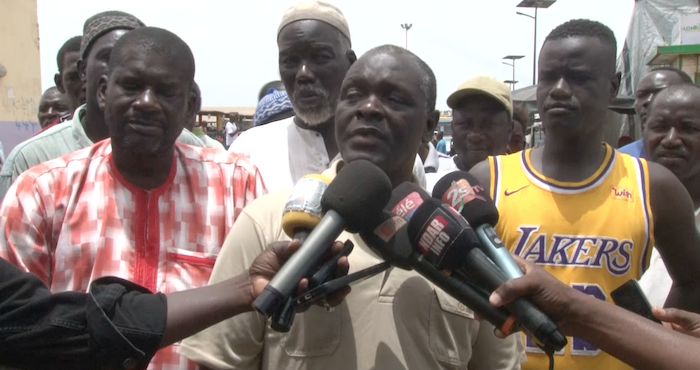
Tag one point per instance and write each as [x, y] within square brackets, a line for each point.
[579, 347]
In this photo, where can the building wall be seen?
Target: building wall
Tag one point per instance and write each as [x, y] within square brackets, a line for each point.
[20, 89]
[689, 65]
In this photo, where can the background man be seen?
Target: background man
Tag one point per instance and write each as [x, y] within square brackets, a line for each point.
[68, 79]
[87, 126]
[653, 82]
[482, 112]
[441, 146]
[53, 106]
[672, 137]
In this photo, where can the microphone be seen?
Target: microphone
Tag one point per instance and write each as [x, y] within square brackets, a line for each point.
[301, 214]
[353, 201]
[462, 191]
[390, 240]
[446, 240]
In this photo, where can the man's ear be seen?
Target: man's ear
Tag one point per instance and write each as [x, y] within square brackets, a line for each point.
[191, 102]
[102, 92]
[82, 70]
[58, 80]
[352, 58]
[615, 84]
[433, 119]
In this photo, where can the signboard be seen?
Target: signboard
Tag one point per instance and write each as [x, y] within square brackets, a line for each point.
[690, 29]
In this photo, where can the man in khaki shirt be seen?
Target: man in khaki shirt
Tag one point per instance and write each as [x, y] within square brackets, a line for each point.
[394, 320]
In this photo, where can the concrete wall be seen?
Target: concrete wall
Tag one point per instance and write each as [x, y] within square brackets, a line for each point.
[20, 89]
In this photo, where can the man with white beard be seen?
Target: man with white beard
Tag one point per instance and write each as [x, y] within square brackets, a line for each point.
[314, 56]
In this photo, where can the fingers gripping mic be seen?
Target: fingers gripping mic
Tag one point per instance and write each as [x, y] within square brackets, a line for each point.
[446, 240]
[353, 201]
[301, 214]
[390, 240]
[462, 191]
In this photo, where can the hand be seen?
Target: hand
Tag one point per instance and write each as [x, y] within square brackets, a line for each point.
[266, 265]
[553, 297]
[681, 321]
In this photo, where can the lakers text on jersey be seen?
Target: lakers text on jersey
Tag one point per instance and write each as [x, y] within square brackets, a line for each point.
[593, 235]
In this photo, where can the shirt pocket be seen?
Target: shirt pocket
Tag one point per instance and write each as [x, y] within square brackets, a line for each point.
[186, 269]
[452, 331]
[316, 332]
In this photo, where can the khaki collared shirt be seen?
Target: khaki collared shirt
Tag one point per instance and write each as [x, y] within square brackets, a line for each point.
[394, 320]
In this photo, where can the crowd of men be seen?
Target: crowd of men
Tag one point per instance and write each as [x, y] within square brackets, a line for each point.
[122, 182]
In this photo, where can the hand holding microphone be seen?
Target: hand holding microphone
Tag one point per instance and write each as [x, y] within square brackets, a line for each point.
[447, 241]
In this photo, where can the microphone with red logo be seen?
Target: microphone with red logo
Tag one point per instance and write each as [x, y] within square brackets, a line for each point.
[446, 240]
[353, 201]
[462, 191]
[390, 240]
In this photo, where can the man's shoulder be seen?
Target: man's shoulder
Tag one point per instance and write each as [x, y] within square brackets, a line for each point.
[267, 210]
[67, 164]
[47, 145]
[634, 148]
[214, 156]
[261, 132]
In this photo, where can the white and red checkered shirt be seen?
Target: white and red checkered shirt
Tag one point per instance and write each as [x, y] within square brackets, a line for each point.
[75, 218]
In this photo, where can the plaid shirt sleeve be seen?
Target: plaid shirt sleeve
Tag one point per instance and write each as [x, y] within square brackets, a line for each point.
[26, 229]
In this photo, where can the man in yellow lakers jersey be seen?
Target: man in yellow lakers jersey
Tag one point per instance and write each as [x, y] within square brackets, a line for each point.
[586, 213]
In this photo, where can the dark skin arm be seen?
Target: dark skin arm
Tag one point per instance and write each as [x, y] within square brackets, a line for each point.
[192, 311]
[631, 338]
[677, 238]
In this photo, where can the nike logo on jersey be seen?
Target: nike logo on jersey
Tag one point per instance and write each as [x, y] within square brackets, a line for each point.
[515, 191]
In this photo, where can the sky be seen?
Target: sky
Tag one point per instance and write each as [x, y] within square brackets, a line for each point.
[235, 49]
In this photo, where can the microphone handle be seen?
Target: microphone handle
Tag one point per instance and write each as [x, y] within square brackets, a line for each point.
[284, 283]
[531, 318]
[493, 246]
[283, 318]
[466, 294]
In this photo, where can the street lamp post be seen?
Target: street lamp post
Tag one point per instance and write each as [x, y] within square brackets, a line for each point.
[534, 4]
[407, 27]
[511, 83]
[512, 58]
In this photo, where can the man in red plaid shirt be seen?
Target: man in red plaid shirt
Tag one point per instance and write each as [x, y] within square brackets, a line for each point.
[139, 205]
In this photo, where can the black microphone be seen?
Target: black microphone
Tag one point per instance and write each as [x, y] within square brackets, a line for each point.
[353, 201]
[462, 191]
[389, 239]
[447, 241]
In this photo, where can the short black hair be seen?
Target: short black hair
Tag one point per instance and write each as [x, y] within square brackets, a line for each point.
[684, 76]
[154, 40]
[585, 28]
[70, 46]
[428, 82]
[198, 97]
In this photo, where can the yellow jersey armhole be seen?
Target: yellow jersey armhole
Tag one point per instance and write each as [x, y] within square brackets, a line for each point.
[492, 177]
[649, 211]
